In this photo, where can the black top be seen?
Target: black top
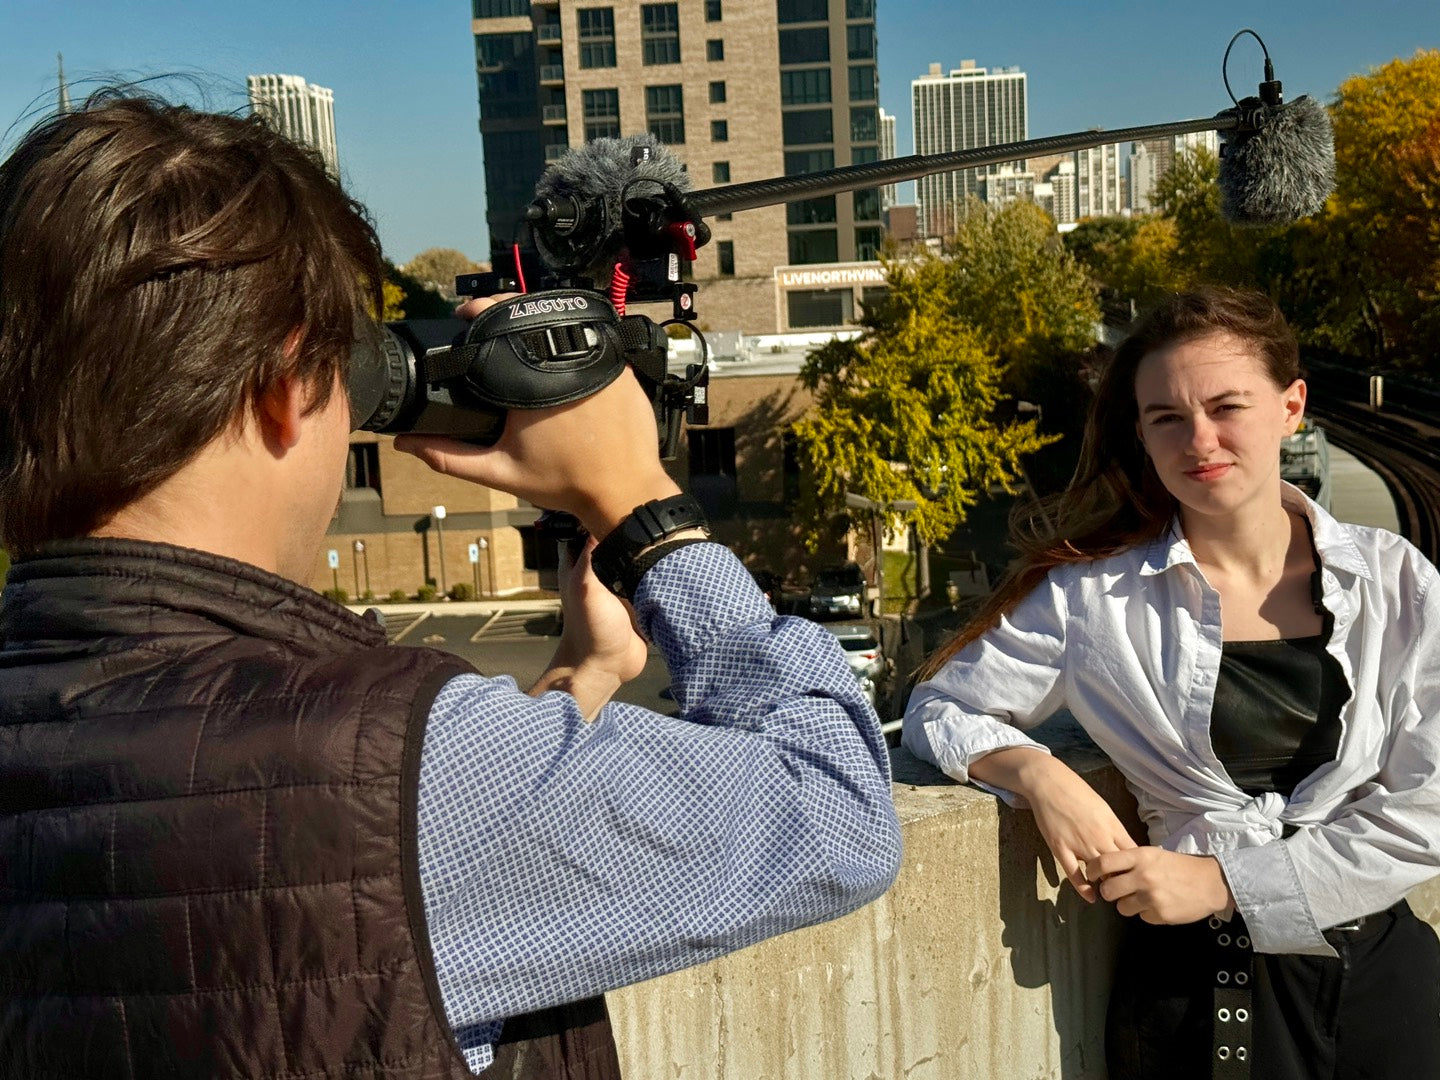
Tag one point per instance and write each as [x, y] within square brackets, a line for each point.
[1276, 717]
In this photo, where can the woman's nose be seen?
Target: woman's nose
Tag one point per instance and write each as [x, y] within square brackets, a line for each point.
[1203, 436]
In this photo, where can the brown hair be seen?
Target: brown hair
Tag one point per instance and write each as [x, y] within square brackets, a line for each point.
[1115, 499]
[153, 262]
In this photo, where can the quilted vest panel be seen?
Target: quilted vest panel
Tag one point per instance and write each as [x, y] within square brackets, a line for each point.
[207, 867]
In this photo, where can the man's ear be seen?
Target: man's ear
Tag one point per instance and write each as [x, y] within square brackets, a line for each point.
[281, 409]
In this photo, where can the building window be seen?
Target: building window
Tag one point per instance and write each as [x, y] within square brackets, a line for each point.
[819, 307]
[505, 65]
[602, 114]
[719, 131]
[725, 253]
[715, 49]
[499, 9]
[860, 42]
[862, 83]
[867, 204]
[859, 9]
[864, 125]
[597, 37]
[864, 155]
[793, 11]
[363, 468]
[810, 87]
[665, 113]
[817, 246]
[712, 10]
[867, 243]
[717, 92]
[805, 46]
[799, 162]
[811, 211]
[660, 33]
[810, 126]
[720, 172]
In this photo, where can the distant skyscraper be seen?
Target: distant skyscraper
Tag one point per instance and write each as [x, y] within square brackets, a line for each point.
[300, 111]
[1152, 159]
[1097, 182]
[890, 193]
[967, 108]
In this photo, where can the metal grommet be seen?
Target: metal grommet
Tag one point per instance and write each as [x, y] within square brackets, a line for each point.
[1242, 942]
[1222, 977]
[1240, 1053]
[1223, 939]
[1241, 978]
[1242, 1015]
[1224, 1016]
[1223, 1053]
[1215, 922]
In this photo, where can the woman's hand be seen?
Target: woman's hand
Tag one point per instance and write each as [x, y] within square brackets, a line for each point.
[1075, 821]
[1161, 886]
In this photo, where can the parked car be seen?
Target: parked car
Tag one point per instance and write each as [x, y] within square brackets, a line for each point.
[862, 651]
[838, 593]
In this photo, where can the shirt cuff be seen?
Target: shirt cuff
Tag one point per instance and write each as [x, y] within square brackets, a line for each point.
[951, 742]
[1267, 893]
[695, 595]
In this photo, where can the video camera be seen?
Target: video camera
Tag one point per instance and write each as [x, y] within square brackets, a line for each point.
[567, 340]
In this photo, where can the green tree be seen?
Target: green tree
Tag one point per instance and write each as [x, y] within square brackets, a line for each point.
[905, 414]
[1134, 262]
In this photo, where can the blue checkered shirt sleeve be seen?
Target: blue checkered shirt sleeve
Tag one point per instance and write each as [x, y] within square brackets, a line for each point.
[560, 858]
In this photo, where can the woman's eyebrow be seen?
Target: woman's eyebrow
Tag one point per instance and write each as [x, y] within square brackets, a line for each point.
[1162, 406]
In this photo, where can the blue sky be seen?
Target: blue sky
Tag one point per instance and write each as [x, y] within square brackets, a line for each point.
[405, 96]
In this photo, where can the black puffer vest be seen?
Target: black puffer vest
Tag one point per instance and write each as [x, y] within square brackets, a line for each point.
[207, 832]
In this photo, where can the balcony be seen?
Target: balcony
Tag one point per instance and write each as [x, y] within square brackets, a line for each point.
[552, 73]
[553, 114]
[548, 34]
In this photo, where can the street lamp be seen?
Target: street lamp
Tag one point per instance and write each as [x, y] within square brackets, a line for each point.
[438, 513]
[1023, 408]
[362, 553]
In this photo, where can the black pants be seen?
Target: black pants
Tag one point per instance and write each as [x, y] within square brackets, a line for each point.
[1372, 1013]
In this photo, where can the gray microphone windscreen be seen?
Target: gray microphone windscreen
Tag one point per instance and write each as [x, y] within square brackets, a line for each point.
[600, 169]
[1281, 173]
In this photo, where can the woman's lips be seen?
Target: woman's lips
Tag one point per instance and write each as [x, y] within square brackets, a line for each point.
[1206, 473]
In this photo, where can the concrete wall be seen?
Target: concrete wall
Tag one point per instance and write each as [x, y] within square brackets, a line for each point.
[975, 966]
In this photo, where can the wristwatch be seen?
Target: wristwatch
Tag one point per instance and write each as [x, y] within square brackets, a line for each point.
[640, 541]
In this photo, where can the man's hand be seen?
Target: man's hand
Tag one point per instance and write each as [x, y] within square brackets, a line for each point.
[597, 458]
[1075, 821]
[1161, 886]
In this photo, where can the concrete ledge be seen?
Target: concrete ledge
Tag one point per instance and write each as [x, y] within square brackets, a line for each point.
[977, 965]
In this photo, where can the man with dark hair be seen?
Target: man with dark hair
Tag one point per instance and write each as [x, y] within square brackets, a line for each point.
[242, 836]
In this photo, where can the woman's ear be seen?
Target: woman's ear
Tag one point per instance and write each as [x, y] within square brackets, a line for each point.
[1293, 399]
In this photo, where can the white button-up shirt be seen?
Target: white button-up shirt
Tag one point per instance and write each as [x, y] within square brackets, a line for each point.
[1131, 646]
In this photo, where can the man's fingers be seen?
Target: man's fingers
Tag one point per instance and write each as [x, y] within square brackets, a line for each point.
[1107, 863]
[1074, 871]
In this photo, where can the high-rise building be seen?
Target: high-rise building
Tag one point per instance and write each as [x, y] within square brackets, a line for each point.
[301, 111]
[890, 193]
[739, 90]
[967, 108]
[1152, 159]
[1097, 182]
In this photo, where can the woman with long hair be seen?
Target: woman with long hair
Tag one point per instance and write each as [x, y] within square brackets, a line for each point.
[1266, 678]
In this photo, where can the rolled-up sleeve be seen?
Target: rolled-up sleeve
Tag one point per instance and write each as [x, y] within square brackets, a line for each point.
[1006, 681]
[561, 858]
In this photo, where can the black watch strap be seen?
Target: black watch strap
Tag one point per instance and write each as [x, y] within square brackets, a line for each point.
[616, 558]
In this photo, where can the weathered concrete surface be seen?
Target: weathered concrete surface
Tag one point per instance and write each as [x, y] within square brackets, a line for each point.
[975, 966]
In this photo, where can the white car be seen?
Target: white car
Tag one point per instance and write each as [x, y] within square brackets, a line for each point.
[862, 651]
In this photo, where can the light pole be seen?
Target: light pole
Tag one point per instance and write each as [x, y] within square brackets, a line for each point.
[439, 514]
[1022, 408]
[480, 545]
[363, 553]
